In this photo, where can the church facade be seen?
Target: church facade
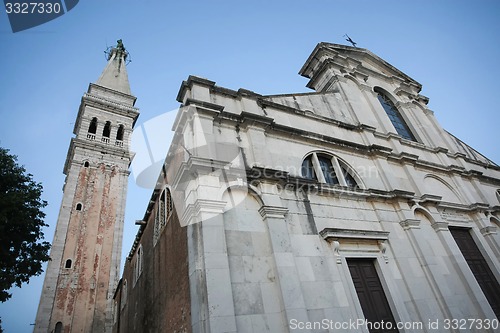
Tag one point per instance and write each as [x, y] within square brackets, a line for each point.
[345, 209]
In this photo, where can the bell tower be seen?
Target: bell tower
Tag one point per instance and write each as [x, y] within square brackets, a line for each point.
[85, 258]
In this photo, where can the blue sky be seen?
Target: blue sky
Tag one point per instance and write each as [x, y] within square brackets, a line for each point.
[450, 47]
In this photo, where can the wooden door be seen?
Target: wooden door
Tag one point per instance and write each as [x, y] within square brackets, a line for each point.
[479, 267]
[371, 294]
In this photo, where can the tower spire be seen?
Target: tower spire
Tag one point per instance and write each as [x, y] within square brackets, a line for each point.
[84, 269]
[114, 76]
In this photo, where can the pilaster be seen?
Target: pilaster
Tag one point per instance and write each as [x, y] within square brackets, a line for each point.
[288, 277]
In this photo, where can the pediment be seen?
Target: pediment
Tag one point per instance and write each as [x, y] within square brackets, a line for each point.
[351, 60]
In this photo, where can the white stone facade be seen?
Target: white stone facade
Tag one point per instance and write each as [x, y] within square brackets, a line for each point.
[272, 248]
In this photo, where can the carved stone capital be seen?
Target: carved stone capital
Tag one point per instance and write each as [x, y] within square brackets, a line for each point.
[201, 210]
[489, 230]
[410, 224]
[273, 212]
[440, 226]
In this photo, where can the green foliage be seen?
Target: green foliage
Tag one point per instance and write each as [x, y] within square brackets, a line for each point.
[21, 223]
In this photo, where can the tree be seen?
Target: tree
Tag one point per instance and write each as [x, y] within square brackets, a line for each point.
[21, 221]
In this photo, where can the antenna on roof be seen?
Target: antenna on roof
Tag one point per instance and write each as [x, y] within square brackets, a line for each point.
[350, 40]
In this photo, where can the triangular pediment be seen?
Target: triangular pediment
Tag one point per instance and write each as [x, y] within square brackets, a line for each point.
[351, 60]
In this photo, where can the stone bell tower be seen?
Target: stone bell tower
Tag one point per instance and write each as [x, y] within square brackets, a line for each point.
[85, 258]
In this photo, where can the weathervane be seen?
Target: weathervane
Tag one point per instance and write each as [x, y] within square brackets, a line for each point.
[350, 40]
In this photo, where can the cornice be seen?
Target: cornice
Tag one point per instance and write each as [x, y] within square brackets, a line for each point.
[137, 241]
[100, 147]
[246, 119]
[95, 147]
[110, 106]
[203, 105]
[273, 212]
[404, 157]
[258, 174]
[415, 160]
[188, 84]
[112, 91]
[424, 100]
[331, 234]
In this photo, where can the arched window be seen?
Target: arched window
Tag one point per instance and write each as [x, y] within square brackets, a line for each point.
[106, 132]
[119, 133]
[119, 136]
[58, 328]
[86, 164]
[138, 264]
[93, 126]
[78, 206]
[328, 169]
[395, 116]
[163, 213]
[68, 263]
